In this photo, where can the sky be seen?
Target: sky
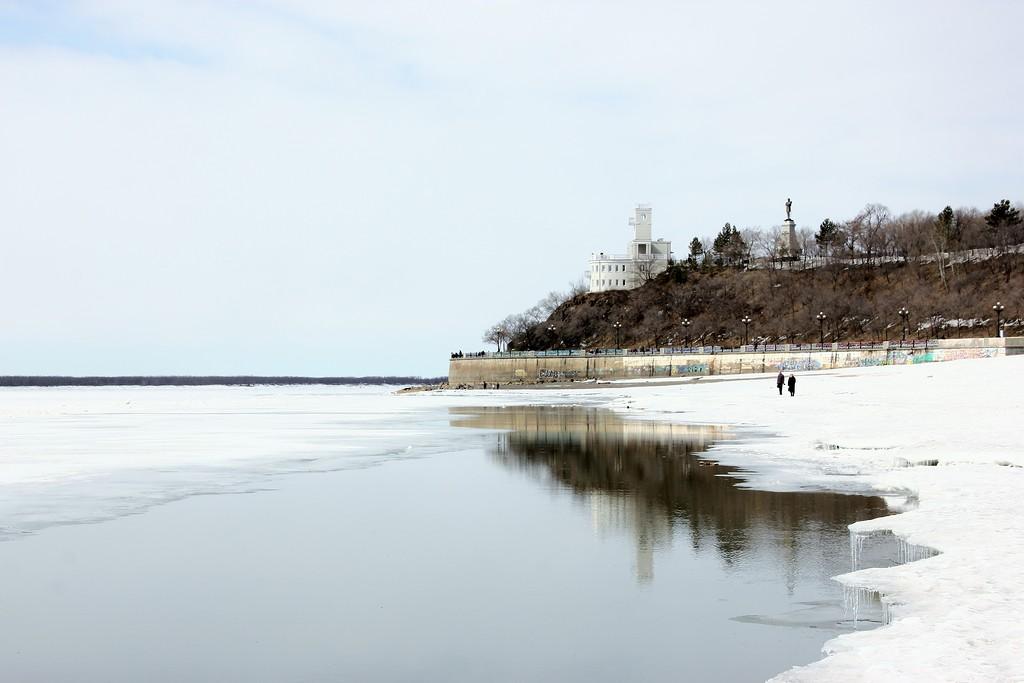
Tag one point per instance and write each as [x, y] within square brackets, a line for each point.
[354, 188]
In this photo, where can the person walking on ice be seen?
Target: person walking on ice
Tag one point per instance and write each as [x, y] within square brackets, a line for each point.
[792, 385]
[780, 381]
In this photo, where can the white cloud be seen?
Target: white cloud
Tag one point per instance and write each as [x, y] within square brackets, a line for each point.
[193, 180]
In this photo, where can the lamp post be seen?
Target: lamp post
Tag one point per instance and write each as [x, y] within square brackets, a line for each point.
[904, 313]
[686, 332]
[551, 330]
[998, 308]
[821, 327]
[618, 326]
[746, 325]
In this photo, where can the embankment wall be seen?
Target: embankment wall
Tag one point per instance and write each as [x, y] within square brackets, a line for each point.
[534, 369]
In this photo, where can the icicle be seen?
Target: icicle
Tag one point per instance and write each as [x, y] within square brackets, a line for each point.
[854, 555]
[858, 602]
[907, 552]
[856, 548]
[851, 603]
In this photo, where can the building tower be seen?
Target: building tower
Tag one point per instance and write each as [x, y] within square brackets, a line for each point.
[644, 259]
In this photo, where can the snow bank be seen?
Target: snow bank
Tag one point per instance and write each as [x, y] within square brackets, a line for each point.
[945, 432]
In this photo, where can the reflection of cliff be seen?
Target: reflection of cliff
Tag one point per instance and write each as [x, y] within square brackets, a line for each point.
[644, 476]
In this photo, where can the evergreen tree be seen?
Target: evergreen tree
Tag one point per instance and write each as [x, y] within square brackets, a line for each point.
[696, 252]
[827, 234]
[721, 243]
[945, 233]
[729, 246]
[1002, 222]
[1002, 215]
[947, 227]
[737, 247]
[696, 248]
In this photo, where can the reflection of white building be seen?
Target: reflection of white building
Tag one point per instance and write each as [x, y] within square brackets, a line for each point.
[643, 261]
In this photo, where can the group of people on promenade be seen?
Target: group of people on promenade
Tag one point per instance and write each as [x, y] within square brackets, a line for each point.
[460, 354]
[781, 381]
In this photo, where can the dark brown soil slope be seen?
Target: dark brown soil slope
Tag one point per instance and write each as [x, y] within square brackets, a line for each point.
[861, 302]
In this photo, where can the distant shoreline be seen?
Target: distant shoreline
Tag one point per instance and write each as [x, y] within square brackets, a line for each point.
[203, 380]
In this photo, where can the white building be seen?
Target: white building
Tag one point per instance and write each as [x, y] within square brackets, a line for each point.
[644, 259]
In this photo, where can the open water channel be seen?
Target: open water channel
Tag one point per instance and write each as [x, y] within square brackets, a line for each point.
[546, 543]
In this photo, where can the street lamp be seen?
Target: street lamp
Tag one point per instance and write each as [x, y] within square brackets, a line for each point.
[904, 313]
[618, 326]
[998, 308]
[821, 327]
[746, 324]
[686, 332]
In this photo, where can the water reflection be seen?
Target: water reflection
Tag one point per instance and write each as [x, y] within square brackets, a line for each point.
[645, 477]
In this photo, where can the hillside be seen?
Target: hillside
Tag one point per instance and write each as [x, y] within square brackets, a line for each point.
[861, 302]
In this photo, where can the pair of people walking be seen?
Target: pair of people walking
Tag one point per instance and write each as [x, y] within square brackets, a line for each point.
[780, 382]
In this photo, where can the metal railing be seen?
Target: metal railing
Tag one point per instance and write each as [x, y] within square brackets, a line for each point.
[629, 258]
[910, 344]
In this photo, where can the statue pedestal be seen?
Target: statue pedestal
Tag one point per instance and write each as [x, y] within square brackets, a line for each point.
[789, 236]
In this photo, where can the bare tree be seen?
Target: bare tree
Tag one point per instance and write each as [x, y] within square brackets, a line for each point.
[808, 247]
[579, 286]
[549, 303]
[972, 229]
[868, 228]
[751, 236]
[497, 335]
[910, 234]
[646, 269]
[769, 246]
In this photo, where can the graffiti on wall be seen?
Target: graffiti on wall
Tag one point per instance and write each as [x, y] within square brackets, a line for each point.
[897, 357]
[964, 354]
[544, 373]
[870, 361]
[692, 369]
[799, 364]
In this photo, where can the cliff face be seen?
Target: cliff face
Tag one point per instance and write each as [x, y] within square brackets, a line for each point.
[861, 302]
